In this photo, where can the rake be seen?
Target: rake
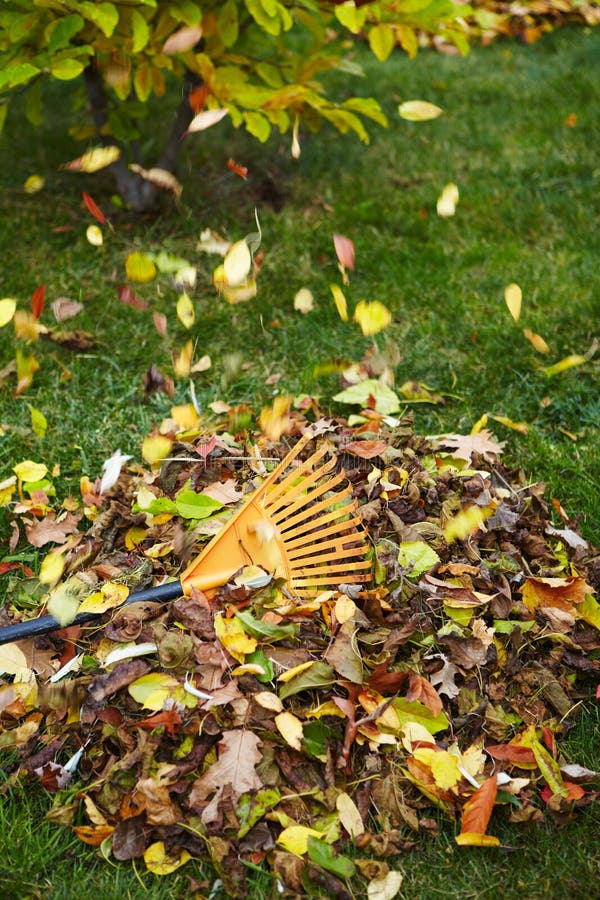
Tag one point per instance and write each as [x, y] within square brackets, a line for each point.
[299, 525]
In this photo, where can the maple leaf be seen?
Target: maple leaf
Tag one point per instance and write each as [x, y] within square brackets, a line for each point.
[234, 769]
[465, 445]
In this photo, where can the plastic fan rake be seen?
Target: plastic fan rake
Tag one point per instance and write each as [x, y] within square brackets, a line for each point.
[299, 524]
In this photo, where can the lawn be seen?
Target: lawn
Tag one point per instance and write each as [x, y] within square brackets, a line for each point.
[518, 138]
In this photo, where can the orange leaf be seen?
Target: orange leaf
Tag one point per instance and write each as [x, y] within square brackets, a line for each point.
[513, 753]
[422, 690]
[37, 300]
[576, 792]
[94, 209]
[197, 98]
[478, 809]
[234, 167]
[93, 835]
[366, 449]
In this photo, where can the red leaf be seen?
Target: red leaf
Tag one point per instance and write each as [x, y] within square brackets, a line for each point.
[197, 98]
[9, 566]
[234, 167]
[576, 792]
[128, 296]
[37, 300]
[170, 718]
[94, 209]
[386, 682]
[598, 692]
[344, 249]
[478, 809]
[511, 753]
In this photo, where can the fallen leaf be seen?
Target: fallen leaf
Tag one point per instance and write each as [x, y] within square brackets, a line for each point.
[513, 296]
[447, 201]
[304, 301]
[290, 728]
[569, 362]
[350, 817]
[294, 838]
[385, 887]
[478, 808]
[465, 445]
[159, 862]
[537, 341]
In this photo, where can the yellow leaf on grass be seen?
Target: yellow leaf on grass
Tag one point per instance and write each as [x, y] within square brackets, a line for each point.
[349, 815]
[153, 689]
[521, 427]
[536, 341]
[140, 267]
[33, 184]
[575, 359]
[465, 522]
[52, 568]
[470, 839]
[290, 728]
[160, 863]
[110, 595]
[479, 424]
[304, 301]
[419, 111]
[94, 160]
[185, 311]
[232, 636]
[340, 301]
[513, 296]
[30, 471]
[295, 838]
[372, 317]
[94, 235]
[447, 201]
[155, 447]
[386, 887]
[39, 423]
[7, 310]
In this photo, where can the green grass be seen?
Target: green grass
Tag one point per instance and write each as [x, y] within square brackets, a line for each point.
[529, 202]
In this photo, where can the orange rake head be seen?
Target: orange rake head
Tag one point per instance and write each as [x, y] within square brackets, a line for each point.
[299, 525]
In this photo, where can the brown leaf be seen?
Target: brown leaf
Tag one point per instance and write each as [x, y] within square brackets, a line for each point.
[51, 530]
[128, 296]
[365, 449]
[235, 768]
[422, 690]
[124, 673]
[465, 445]
[64, 308]
[129, 839]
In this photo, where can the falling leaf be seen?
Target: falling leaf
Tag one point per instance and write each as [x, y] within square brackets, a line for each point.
[419, 111]
[27, 366]
[340, 302]
[140, 267]
[7, 310]
[304, 301]
[94, 160]
[94, 235]
[465, 523]
[447, 201]
[94, 209]
[160, 323]
[128, 296]
[568, 362]
[537, 341]
[211, 242]
[275, 420]
[161, 178]
[159, 862]
[513, 296]
[185, 311]
[182, 40]
[349, 815]
[37, 301]
[234, 167]
[207, 119]
[34, 184]
[182, 360]
[295, 149]
[111, 469]
[65, 308]
[344, 250]
[386, 887]
[372, 316]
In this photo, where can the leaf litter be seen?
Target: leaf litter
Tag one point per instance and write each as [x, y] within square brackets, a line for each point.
[309, 737]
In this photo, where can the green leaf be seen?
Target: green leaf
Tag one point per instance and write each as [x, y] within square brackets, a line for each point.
[350, 17]
[33, 103]
[259, 659]
[66, 69]
[191, 505]
[157, 506]
[258, 125]
[381, 41]
[417, 557]
[413, 711]
[265, 630]
[319, 675]
[325, 856]
[104, 15]
[39, 422]
[589, 611]
[315, 736]
[371, 394]
[227, 23]
[60, 31]
[141, 32]
[251, 809]
[12, 76]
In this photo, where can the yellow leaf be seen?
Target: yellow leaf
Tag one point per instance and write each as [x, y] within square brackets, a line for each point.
[465, 522]
[52, 568]
[372, 317]
[109, 596]
[568, 362]
[182, 360]
[295, 838]
[34, 184]
[446, 204]
[27, 366]
[27, 327]
[185, 416]
[386, 887]
[232, 636]
[206, 119]
[134, 536]
[444, 768]
[94, 235]
[345, 609]
[329, 708]
[513, 296]
[296, 670]
[153, 689]
[140, 267]
[340, 302]
[349, 815]
[537, 341]
[521, 427]
[237, 264]
[7, 489]
[39, 423]
[159, 863]
[479, 424]
[304, 301]
[290, 728]
[7, 310]
[12, 659]
[95, 159]
[471, 839]
[185, 311]
[30, 471]
[155, 447]
[275, 420]
[419, 111]
[269, 701]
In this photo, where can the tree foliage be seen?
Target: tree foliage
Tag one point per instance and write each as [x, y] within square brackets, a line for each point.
[261, 60]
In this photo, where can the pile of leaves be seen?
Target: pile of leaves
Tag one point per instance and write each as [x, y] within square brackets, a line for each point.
[311, 738]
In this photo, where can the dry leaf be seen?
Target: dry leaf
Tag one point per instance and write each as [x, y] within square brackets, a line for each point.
[513, 296]
[537, 341]
[304, 301]
[206, 119]
[447, 201]
[290, 728]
